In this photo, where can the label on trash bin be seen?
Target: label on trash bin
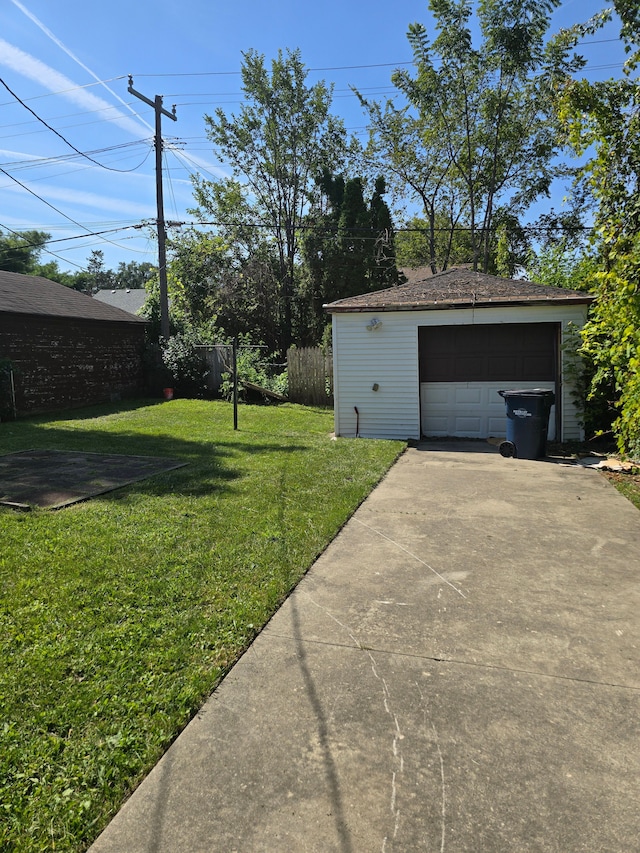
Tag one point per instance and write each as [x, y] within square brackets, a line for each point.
[522, 413]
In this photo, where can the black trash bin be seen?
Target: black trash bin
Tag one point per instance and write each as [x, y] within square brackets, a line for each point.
[527, 422]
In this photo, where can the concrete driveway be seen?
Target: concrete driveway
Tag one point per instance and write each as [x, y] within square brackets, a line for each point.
[457, 672]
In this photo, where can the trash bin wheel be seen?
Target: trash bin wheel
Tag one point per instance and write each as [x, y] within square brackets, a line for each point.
[508, 449]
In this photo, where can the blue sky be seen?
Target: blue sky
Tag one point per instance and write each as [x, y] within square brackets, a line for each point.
[68, 62]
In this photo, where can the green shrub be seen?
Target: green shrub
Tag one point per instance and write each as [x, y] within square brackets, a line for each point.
[185, 363]
[253, 367]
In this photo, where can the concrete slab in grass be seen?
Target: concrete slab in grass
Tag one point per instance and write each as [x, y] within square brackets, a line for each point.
[51, 479]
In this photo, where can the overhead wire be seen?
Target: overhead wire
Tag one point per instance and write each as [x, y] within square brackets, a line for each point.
[52, 206]
[180, 155]
[37, 162]
[114, 230]
[237, 73]
[66, 91]
[326, 68]
[42, 246]
[53, 130]
[67, 115]
[198, 166]
[167, 172]
[335, 230]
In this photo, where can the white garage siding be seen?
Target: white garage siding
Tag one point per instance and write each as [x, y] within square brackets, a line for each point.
[386, 355]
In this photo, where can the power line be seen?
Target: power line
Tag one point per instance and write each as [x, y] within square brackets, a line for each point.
[53, 130]
[198, 166]
[321, 230]
[373, 89]
[36, 162]
[72, 115]
[40, 246]
[66, 91]
[353, 231]
[326, 68]
[43, 246]
[94, 234]
[52, 206]
[238, 73]
[69, 115]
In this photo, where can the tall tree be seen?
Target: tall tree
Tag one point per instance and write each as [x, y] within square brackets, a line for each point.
[281, 139]
[415, 154]
[133, 275]
[434, 243]
[98, 276]
[20, 252]
[603, 120]
[348, 245]
[561, 264]
[353, 231]
[230, 274]
[383, 271]
[482, 115]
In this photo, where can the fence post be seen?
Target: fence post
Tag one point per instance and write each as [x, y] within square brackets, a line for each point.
[235, 383]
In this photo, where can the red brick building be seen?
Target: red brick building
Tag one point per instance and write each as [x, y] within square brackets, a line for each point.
[66, 349]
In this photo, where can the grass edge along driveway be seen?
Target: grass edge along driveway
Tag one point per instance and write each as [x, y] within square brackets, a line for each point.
[119, 615]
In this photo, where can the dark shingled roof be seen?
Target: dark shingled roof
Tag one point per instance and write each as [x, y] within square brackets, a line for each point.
[31, 294]
[127, 300]
[457, 288]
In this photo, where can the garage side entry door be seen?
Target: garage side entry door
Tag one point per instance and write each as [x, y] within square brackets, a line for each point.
[463, 367]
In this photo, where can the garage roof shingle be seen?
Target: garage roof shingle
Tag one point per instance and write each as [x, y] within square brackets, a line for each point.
[457, 288]
[29, 294]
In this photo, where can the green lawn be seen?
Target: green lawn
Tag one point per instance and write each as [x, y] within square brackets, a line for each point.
[119, 615]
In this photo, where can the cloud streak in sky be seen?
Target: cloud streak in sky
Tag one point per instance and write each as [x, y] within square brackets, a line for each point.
[92, 201]
[72, 55]
[120, 113]
[33, 69]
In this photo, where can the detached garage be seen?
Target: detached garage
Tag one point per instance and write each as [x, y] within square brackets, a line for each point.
[65, 348]
[428, 358]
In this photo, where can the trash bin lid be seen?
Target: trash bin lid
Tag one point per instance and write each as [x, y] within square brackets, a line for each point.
[527, 392]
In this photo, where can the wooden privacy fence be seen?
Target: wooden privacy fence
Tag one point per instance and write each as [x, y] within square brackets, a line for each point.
[310, 376]
[219, 360]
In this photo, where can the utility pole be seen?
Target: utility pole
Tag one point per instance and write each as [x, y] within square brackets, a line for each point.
[162, 233]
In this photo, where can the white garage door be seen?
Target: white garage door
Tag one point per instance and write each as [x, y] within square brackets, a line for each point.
[462, 368]
[469, 409]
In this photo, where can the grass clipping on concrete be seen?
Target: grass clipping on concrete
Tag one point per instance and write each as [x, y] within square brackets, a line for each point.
[119, 615]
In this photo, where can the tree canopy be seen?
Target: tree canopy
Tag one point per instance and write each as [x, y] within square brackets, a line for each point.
[20, 252]
[348, 246]
[602, 122]
[478, 130]
[282, 138]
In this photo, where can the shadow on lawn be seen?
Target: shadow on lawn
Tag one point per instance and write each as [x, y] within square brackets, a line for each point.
[208, 470]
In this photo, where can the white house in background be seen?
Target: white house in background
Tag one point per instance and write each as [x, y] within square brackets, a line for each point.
[427, 358]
